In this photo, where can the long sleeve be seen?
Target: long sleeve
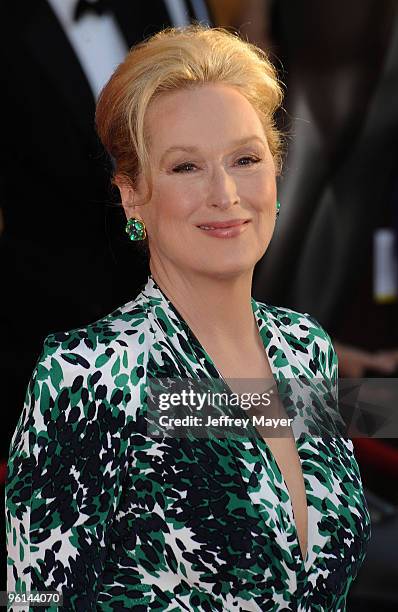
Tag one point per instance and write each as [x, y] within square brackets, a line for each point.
[67, 463]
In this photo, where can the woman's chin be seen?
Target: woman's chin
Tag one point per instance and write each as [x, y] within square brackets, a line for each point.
[227, 269]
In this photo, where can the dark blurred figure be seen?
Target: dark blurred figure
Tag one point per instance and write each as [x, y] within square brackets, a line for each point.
[63, 236]
[333, 59]
[340, 65]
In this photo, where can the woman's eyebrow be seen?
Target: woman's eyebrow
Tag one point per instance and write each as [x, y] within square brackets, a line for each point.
[193, 149]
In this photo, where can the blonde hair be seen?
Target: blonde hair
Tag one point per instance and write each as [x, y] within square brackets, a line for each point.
[174, 59]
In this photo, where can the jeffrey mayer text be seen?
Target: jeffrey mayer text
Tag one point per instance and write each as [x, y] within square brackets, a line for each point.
[223, 421]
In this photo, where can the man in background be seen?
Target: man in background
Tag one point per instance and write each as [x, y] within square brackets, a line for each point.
[66, 259]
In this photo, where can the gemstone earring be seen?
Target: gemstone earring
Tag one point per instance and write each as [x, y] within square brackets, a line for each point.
[278, 208]
[135, 229]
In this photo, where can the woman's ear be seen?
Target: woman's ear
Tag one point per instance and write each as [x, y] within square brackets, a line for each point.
[126, 194]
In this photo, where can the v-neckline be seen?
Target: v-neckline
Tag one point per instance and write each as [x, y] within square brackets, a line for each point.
[259, 440]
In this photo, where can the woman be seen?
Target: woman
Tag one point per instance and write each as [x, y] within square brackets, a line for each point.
[117, 519]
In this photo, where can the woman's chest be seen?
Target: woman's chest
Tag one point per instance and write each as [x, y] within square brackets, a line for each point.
[218, 512]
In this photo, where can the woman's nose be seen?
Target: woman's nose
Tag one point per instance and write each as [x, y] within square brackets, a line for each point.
[222, 189]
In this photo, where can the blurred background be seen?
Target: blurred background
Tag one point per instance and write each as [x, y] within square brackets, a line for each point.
[66, 260]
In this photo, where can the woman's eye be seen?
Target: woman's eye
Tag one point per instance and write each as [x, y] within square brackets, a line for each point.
[183, 167]
[248, 159]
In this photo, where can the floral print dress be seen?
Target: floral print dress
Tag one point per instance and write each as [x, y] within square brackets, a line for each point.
[114, 519]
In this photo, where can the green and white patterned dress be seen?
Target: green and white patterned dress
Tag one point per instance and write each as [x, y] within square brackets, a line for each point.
[117, 520]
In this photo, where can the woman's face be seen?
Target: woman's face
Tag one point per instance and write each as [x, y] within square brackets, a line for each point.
[210, 163]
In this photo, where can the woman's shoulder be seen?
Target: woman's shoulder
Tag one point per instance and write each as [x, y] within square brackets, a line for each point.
[306, 337]
[110, 340]
[289, 320]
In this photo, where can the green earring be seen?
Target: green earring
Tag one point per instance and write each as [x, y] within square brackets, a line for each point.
[135, 229]
[278, 208]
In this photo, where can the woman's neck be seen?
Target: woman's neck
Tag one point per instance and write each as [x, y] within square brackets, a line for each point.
[218, 310]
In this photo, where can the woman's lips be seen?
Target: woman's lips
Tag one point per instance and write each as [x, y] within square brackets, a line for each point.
[226, 232]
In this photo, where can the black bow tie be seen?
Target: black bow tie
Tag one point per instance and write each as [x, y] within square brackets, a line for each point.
[99, 7]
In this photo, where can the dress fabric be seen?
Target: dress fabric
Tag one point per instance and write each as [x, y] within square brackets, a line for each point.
[117, 520]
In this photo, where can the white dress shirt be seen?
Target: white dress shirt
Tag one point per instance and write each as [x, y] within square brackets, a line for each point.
[96, 40]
